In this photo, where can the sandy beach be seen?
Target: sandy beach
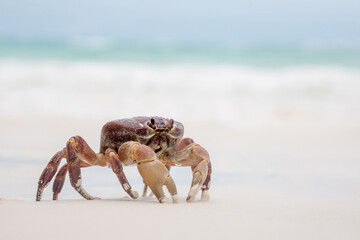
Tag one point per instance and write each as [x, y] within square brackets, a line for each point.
[285, 153]
[232, 213]
[269, 88]
[310, 197]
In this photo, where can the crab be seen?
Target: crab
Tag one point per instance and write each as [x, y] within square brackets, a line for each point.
[154, 144]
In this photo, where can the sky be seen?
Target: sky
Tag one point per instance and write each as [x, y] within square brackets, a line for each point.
[226, 21]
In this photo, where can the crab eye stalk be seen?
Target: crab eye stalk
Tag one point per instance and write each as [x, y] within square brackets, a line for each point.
[152, 123]
[171, 124]
[174, 131]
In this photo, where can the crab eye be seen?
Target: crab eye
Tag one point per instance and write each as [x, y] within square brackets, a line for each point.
[171, 124]
[152, 123]
[173, 128]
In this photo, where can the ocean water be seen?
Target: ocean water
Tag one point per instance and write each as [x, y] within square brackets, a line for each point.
[260, 55]
[273, 117]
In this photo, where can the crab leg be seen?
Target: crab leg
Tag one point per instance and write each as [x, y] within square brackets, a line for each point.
[49, 172]
[199, 176]
[206, 185]
[60, 178]
[115, 164]
[191, 154]
[153, 172]
[59, 181]
[77, 149]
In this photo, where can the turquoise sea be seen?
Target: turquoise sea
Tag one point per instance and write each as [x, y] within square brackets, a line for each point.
[259, 55]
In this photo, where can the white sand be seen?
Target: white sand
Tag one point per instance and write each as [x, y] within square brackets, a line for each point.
[232, 213]
[306, 190]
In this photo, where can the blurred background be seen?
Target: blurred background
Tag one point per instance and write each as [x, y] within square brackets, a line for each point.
[269, 88]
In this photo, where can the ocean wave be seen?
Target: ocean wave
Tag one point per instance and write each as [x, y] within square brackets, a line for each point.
[200, 92]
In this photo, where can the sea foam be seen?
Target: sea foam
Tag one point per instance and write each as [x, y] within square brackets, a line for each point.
[197, 92]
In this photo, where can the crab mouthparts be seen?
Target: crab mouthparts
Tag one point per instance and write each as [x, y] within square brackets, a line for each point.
[159, 147]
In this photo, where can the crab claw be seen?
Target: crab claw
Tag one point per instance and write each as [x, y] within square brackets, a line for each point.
[156, 175]
[153, 172]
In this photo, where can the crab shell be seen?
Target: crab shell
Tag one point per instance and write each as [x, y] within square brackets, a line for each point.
[160, 134]
[154, 144]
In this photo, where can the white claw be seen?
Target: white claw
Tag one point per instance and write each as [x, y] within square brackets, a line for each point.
[83, 193]
[135, 194]
[175, 198]
[192, 193]
[163, 200]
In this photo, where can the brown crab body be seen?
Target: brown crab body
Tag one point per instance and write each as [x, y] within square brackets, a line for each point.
[117, 132]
